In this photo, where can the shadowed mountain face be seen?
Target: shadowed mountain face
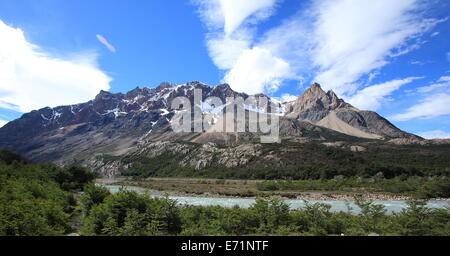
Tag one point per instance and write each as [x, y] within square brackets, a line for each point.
[138, 121]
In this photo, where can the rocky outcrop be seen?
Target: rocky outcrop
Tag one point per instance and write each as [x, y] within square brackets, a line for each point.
[203, 156]
[327, 110]
[106, 169]
[139, 122]
[314, 104]
[415, 141]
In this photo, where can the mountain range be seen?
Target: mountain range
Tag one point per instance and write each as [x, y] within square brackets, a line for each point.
[117, 126]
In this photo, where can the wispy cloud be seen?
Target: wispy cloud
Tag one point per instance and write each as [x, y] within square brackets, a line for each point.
[251, 67]
[432, 106]
[435, 134]
[105, 42]
[31, 78]
[229, 15]
[417, 62]
[444, 79]
[435, 34]
[334, 42]
[372, 97]
[443, 82]
[353, 38]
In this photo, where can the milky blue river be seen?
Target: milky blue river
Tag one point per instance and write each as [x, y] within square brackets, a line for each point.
[336, 205]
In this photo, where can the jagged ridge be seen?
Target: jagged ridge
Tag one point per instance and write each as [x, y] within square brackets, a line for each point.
[119, 123]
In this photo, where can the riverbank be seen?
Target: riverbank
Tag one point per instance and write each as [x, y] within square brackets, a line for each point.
[211, 188]
[200, 216]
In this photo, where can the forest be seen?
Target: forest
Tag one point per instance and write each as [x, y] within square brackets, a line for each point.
[307, 161]
[46, 200]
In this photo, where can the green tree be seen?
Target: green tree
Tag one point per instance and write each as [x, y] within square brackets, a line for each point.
[419, 220]
[372, 216]
[93, 195]
[270, 214]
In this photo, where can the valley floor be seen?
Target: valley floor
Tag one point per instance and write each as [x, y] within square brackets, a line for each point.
[202, 187]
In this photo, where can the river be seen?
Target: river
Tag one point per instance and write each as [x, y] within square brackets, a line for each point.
[391, 206]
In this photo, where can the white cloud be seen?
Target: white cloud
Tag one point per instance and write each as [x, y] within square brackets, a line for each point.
[352, 38]
[257, 70]
[106, 43]
[431, 107]
[417, 62]
[292, 42]
[444, 81]
[286, 97]
[31, 79]
[432, 87]
[250, 68]
[237, 11]
[225, 51]
[338, 42]
[435, 134]
[2, 123]
[435, 34]
[371, 98]
[231, 14]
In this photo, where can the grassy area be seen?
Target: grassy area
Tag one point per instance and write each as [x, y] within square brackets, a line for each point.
[414, 187]
[204, 187]
[438, 187]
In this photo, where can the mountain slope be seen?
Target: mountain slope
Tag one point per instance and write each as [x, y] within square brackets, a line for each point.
[139, 122]
[327, 110]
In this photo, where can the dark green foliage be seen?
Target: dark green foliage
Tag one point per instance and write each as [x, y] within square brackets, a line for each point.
[8, 157]
[315, 219]
[32, 201]
[270, 214]
[418, 220]
[415, 186]
[309, 161]
[36, 199]
[33, 208]
[435, 188]
[93, 195]
[128, 213]
[73, 177]
[161, 166]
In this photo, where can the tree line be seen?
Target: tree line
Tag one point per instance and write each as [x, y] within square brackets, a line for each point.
[44, 199]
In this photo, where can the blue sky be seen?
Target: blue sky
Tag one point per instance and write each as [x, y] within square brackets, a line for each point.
[392, 57]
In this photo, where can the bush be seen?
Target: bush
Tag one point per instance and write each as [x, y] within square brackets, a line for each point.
[32, 201]
[129, 213]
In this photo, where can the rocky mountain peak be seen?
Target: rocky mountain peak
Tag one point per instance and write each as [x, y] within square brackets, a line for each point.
[163, 86]
[313, 92]
[316, 99]
[146, 113]
[103, 94]
[223, 87]
[316, 87]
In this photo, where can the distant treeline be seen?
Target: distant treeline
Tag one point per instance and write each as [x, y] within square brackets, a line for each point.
[418, 187]
[309, 161]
